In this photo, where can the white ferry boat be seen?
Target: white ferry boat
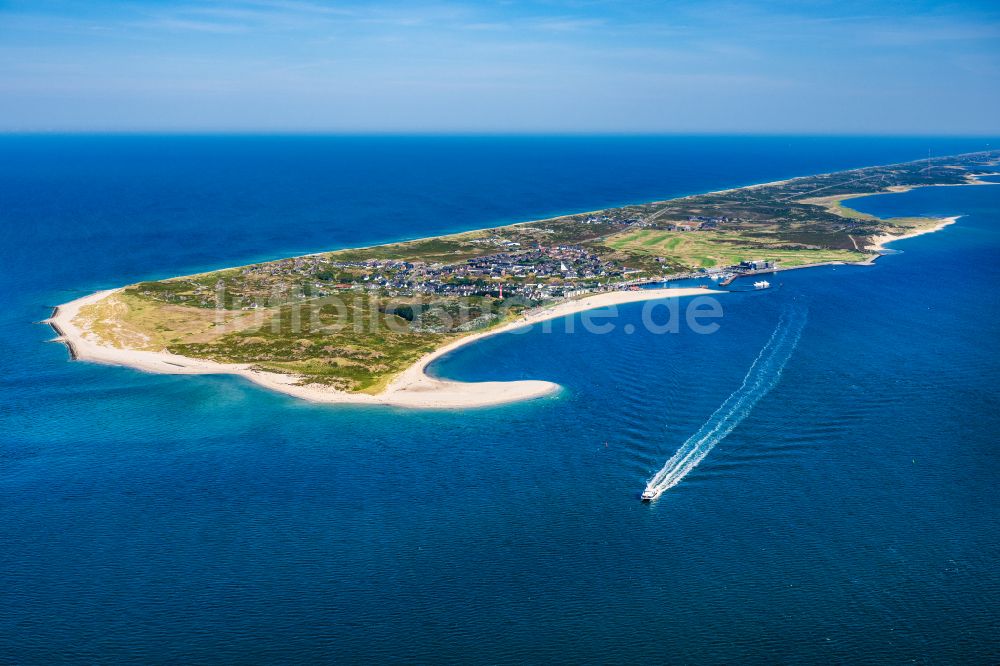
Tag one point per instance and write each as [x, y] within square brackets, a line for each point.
[650, 494]
[762, 284]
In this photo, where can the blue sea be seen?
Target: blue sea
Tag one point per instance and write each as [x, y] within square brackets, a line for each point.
[850, 514]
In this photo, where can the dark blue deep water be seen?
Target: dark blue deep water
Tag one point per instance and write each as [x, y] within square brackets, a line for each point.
[850, 516]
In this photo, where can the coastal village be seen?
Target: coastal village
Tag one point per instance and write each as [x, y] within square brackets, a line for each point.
[534, 274]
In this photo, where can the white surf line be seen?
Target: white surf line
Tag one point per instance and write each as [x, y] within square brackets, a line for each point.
[759, 380]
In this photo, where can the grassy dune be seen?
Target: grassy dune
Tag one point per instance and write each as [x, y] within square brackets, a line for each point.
[355, 343]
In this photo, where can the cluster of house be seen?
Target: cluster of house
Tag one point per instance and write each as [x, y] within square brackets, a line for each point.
[613, 218]
[713, 220]
[561, 261]
[537, 273]
[540, 272]
[497, 241]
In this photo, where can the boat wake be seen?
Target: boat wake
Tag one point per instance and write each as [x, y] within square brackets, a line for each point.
[763, 375]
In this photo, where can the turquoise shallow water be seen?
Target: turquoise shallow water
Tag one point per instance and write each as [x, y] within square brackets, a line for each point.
[848, 517]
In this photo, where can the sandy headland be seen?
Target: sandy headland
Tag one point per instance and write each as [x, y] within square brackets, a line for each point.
[879, 242]
[412, 388]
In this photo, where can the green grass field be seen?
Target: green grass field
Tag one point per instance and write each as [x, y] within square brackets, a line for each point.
[710, 249]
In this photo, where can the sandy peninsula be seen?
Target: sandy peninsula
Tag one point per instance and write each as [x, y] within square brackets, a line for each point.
[412, 388]
[879, 242]
[574, 246]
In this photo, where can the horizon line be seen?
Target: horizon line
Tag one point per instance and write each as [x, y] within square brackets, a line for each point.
[483, 133]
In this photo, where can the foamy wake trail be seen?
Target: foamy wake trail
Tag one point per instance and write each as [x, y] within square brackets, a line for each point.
[760, 379]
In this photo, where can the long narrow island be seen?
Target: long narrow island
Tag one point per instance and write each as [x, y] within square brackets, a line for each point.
[362, 325]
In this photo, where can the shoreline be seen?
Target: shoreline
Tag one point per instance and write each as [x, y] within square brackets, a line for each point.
[412, 388]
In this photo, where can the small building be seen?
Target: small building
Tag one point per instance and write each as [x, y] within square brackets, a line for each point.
[757, 265]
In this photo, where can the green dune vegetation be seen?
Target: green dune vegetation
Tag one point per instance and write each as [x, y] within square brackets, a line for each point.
[355, 318]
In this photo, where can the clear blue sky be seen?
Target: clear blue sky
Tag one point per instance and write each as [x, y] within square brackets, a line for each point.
[917, 67]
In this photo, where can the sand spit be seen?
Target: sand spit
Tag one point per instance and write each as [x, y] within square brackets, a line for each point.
[412, 388]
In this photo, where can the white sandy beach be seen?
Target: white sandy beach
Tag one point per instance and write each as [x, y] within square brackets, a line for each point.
[879, 242]
[412, 388]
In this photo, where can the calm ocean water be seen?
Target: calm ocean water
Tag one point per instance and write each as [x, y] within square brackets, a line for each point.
[851, 515]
